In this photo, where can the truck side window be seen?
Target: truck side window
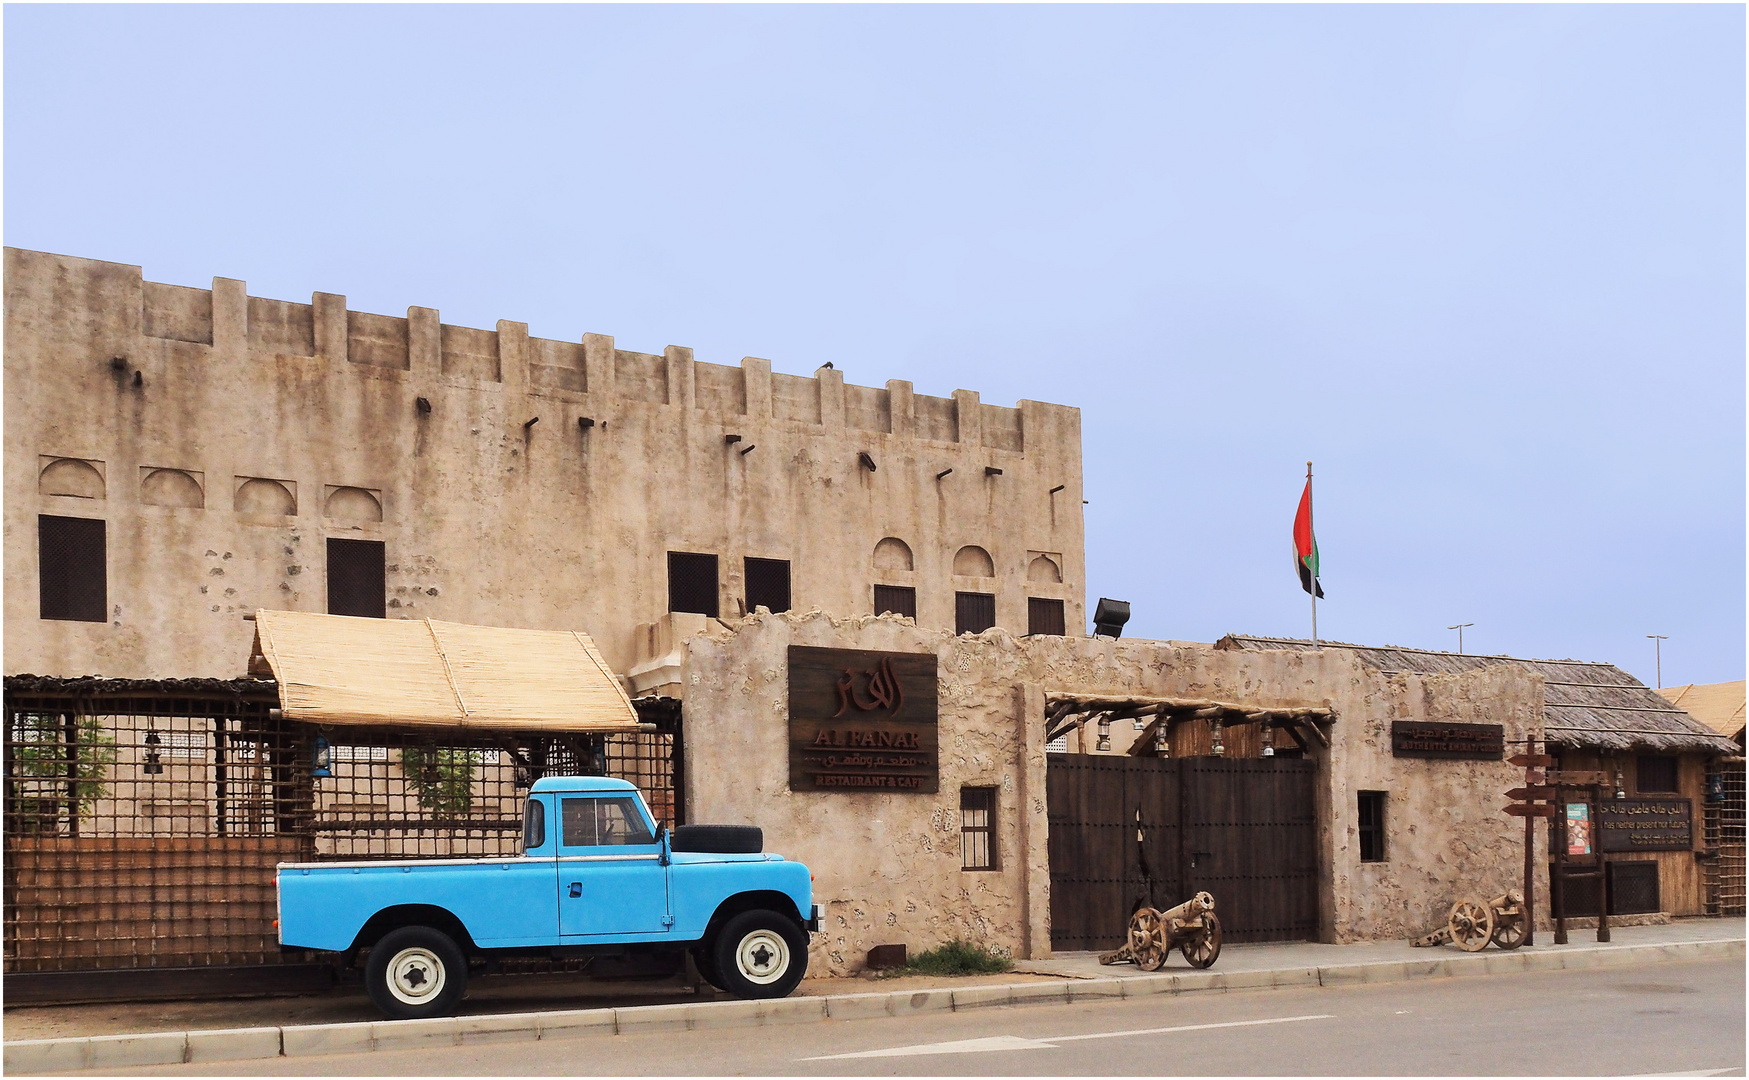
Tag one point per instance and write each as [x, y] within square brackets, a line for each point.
[604, 822]
[534, 825]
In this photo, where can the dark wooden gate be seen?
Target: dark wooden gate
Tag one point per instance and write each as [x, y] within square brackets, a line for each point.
[1131, 831]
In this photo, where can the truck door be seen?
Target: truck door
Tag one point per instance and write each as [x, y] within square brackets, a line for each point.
[611, 880]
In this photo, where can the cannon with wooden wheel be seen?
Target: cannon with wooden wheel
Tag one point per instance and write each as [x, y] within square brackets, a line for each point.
[1473, 923]
[1191, 927]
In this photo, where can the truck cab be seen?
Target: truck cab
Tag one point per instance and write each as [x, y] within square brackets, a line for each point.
[597, 876]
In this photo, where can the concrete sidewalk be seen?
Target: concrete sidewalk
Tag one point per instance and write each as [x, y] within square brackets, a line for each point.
[1066, 979]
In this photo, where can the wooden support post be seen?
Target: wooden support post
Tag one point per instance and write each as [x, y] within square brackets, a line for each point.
[1529, 860]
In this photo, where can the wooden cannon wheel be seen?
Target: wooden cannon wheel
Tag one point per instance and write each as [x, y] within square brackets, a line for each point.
[1472, 925]
[1509, 931]
[1145, 944]
[1202, 949]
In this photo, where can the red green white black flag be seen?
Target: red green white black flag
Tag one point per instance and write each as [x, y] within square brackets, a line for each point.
[1306, 544]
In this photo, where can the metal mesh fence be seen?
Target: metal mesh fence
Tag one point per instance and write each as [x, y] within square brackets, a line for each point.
[1724, 837]
[144, 831]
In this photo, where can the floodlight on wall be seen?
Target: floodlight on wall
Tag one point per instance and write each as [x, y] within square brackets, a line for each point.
[423, 404]
[867, 461]
[748, 449]
[1109, 617]
[584, 423]
[118, 363]
[139, 379]
[991, 470]
[530, 422]
[1058, 488]
[942, 473]
[731, 440]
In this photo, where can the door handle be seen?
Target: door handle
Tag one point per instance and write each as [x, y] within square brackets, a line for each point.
[576, 889]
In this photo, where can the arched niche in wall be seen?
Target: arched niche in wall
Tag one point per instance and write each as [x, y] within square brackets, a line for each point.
[893, 553]
[973, 561]
[269, 497]
[171, 487]
[1044, 569]
[352, 504]
[70, 476]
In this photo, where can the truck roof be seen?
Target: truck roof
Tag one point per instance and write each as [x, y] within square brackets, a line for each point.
[581, 783]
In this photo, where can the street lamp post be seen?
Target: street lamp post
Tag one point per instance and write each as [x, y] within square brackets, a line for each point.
[1460, 629]
[1658, 641]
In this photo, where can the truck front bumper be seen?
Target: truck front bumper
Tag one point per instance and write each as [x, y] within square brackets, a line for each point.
[815, 914]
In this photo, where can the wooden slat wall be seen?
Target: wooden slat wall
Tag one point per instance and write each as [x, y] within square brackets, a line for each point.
[124, 902]
[1681, 881]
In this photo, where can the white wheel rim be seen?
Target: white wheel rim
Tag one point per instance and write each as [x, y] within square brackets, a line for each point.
[416, 976]
[762, 957]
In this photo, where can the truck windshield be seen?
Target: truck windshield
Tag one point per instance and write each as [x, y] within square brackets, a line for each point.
[534, 825]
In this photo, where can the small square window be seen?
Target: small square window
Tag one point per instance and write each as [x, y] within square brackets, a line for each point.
[1655, 774]
[978, 828]
[768, 584]
[1044, 616]
[974, 612]
[72, 578]
[357, 584]
[692, 583]
[897, 599]
[1372, 826]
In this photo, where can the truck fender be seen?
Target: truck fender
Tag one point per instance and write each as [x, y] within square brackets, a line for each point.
[770, 900]
[393, 918]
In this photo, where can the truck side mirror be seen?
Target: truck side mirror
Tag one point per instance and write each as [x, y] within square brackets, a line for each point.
[662, 839]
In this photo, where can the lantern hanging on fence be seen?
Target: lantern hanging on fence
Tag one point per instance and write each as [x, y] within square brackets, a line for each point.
[322, 759]
[154, 763]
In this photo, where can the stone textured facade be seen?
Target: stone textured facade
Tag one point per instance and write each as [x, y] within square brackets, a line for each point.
[223, 438]
[888, 865]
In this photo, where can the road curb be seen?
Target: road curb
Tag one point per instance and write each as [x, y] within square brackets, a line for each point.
[313, 1040]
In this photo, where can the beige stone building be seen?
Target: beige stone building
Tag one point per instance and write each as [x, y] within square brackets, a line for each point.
[178, 457]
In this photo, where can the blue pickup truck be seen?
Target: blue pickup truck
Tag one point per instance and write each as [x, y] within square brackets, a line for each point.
[597, 877]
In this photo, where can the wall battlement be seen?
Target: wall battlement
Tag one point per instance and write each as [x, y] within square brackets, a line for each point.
[326, 328]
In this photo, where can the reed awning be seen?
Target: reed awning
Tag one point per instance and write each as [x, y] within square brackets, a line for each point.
[337, 669]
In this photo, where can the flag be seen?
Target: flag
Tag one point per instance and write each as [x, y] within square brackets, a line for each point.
[1306, 545]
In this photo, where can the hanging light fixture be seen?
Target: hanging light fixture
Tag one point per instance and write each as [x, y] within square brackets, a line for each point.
[1162, 738]
[1268, 739]
[1621, 792]
[1105, 732]
[1215, 731]
[322, 759]
[154, 763]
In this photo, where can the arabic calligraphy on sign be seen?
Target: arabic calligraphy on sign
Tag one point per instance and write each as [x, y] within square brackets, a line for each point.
[882, 686]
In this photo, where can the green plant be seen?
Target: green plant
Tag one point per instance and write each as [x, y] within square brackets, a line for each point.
[955, 958]
[51, 774]
[441, 778]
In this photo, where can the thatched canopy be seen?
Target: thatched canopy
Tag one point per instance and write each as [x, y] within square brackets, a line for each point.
[1717, 705]
[1586, 705]
[335, 669]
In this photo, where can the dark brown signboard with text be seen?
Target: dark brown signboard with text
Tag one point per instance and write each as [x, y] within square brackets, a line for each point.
[1646, 824]
[1458, 742]
[862, 721]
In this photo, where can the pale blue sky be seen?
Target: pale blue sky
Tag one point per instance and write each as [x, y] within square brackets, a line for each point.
[1484, 264]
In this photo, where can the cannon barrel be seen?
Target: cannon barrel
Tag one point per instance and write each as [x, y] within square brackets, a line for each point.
[1190, 909]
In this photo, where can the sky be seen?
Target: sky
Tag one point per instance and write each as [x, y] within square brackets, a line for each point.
[1484, 265]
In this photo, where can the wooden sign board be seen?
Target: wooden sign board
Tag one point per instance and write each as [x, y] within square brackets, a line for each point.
[1455, 742]
[1531, 810]
[1531, 793]
[862, 721]
[1532, 761]
[1646, 824]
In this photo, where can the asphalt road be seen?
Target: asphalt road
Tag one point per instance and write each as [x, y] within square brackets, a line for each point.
[1655, 1019]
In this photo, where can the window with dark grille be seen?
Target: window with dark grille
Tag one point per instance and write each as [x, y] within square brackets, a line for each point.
[974, 612]
[1372, 826]
[978, 828]
[898, 599]
[768, 584]
[1044, 616]
[356, 584]
[71, 569]
[692, 583]
[1655, 773]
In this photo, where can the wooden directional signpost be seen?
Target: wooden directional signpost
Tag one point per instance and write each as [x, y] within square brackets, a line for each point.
[1533, 789]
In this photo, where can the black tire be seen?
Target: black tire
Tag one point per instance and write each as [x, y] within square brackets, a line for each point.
[416, 972]
[706, 964]
[760, 954]
[719, 839]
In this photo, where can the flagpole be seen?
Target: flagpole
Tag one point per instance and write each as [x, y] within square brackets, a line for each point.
[1314, 531]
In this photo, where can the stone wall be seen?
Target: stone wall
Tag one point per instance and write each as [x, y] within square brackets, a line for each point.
[223, 438]
[888, 866]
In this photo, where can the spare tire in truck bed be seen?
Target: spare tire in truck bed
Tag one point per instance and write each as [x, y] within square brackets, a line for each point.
[719, 839]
